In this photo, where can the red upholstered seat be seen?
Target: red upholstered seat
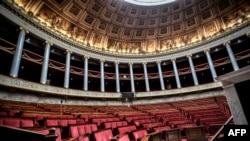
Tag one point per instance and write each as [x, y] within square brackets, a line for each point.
[88, 128]
[51, 123]
[26, 123]
[63, 122]
[107, 125]
[104, 135]
[3, 114]
[83, 138]
[80, 121]
[157, 129]
[125, 129]
[124, 137]
[119, 123]
[12, 122]
[121, 137]
[94, 127]
[138, 134]
[28, 115]
[74, 131]
[71, 121]
[81, 130]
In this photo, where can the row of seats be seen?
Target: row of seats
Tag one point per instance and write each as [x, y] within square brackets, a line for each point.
[18, 123]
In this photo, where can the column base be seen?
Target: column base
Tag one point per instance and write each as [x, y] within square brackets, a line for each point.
[14, 76]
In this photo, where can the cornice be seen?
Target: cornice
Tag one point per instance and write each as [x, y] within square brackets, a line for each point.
[60, 91]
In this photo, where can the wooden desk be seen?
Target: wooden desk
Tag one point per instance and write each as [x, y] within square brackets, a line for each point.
[18, 134]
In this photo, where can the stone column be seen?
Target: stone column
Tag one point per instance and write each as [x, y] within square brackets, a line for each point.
[210, 63]
[146, 76]
[102, 75]
[86, 59]
[131, 77]
[160, 75]
[18, 53]
[44, 72]
[117, 77]
[235, 85]
[231, 56]
[67, 69]
[177, 79]
[192, 69]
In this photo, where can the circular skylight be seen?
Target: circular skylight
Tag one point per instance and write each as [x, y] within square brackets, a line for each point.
[149, 2]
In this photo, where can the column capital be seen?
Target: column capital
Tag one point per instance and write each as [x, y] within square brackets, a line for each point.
[144, 63]
[48, 42]
[248, 34]
[189, 55]
[22, 28]
[173, 59]
[206, 50]
[68, 51]
[102, 60]
[158, 62]
[226, 43]
[130, 63]
[86, 57]
[116, 62]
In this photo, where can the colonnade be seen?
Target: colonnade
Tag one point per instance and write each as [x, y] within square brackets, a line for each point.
[18, 55]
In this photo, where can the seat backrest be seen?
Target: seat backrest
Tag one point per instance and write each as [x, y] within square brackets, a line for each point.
[81, 130]
[124, 137]
[71, 121]
[107, 125]
[103, 135]
[51, 123]
[88, 128]
[94, 127]
[63, 122]
[73, 131]
[26, 123]
[138, 134]
[12, 122]
[125, 129]
[83, 138]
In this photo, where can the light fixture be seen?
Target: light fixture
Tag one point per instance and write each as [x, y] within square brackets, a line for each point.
[149, 2]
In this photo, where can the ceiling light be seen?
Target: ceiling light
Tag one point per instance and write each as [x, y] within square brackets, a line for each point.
[149, 2]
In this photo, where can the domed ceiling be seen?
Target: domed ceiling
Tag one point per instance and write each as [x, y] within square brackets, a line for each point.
[125, 28]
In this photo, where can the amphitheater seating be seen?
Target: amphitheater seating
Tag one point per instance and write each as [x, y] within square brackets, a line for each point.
[81, 125]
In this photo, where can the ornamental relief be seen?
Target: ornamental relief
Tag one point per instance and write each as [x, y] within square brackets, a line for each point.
[150, 35]
[55, 21]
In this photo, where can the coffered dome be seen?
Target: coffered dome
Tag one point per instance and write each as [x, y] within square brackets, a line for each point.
[120, 27]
